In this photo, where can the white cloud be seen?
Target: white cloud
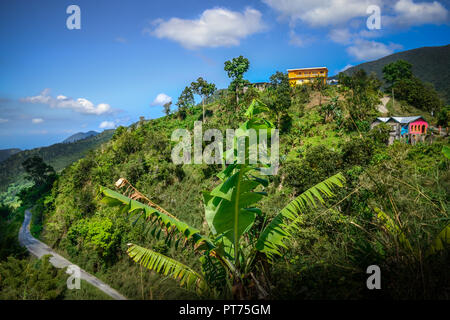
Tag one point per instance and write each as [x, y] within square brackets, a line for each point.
[214, 28]
[345, 68]
[319, 13]
[37, 120]
[410, 13]
[3, 120]
[371, 50]
[161, 99]
[295, 40]
[342, 36]
[80, 105]
[107, 125]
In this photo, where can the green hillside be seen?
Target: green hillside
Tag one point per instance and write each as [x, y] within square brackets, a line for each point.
[58, 155]
[6, 153]
[80, 136]
[325, 256]
[342, 200]
[430, 64]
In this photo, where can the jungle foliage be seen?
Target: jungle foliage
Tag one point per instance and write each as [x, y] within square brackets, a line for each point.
[229, 232]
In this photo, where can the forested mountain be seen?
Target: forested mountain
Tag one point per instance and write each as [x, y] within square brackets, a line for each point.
[6, 153]
[58, 155]
[430, 64]
[80, 136]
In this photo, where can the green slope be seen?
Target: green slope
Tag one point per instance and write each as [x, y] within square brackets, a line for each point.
[430, 64]
[6, 153]
[58, 155]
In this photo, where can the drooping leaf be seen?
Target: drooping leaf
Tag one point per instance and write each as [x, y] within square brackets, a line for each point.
[256, 107]
[168, 267]
[390, 225]
[113, 198]
[446, 151]
[278, 231]
[441, 242]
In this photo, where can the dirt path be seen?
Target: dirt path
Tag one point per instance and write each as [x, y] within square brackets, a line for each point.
[39, 249]
[382, 107]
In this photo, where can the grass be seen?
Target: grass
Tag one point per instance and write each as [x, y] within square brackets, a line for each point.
[401, 108]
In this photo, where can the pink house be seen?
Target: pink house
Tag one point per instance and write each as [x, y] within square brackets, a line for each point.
[419, 126]
[413, 128]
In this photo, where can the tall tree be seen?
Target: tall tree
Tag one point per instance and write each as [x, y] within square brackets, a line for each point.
[319, 85]
[280, 92]
[167, 107]
[204, 90]
[185, 100]
[409, 88]
[361, 97]
[38, 171]
[396, 71]
[235, 69]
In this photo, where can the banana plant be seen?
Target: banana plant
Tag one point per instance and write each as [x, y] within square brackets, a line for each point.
[440, 242]
[235, 243]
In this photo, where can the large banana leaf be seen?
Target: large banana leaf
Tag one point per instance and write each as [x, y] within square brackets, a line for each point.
[274, 235]
[113, 198]
[256, 107]
[441, 242]
[167, 266]
[390, 225]
[229, 208]
[446, 151]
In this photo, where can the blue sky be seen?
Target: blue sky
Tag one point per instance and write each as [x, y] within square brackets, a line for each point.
[55, 81]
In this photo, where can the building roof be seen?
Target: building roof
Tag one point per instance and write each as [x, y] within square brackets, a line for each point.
[307, 68]
[405, 120]
[401, 120]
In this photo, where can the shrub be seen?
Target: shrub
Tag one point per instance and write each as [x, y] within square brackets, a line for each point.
[357, 151]
[380, 133]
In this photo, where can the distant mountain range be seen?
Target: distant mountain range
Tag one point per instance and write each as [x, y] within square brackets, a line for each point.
[80, 136]
[429, 64]
[58, 155]
[6, 153]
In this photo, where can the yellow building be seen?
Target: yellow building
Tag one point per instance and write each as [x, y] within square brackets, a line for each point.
[307, 75]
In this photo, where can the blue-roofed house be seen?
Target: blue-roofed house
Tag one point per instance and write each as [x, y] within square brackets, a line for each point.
[409, 127]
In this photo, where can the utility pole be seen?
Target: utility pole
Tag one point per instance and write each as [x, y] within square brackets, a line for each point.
[393, 99]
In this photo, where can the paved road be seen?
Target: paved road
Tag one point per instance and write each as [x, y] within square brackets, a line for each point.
[39, 249]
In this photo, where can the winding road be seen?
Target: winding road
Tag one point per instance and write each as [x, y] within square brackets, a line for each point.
[39, 249]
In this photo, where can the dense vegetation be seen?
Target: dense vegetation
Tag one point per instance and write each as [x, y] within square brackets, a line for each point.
[6, 153]
[59, 156]
[392, 210]
[25, 278]
[429, 64]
